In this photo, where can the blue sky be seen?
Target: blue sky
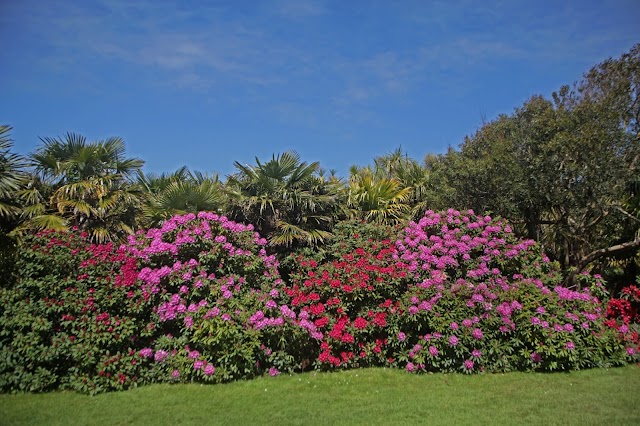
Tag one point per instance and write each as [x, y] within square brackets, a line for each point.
[205, 83]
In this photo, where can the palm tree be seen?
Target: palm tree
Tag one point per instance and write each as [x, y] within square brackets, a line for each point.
[377, 199]
[177, 193]
[410, 174]
[13, 176]
[82, 184]
[287, 200]
[73, 159]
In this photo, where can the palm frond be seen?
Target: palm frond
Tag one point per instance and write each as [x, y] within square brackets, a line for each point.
[13, 176]
[287, 234]
[45, 221]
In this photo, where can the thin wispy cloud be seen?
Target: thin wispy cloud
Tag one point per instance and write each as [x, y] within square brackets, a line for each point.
[298, 9]
[193, 42]
[205, 45]
[349, 66]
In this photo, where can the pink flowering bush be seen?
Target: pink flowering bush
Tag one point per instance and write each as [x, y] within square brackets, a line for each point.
[218, 300]
[483, 300]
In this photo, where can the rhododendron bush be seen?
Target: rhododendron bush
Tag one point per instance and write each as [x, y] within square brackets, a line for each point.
[623, 316]
[485, 300]
[73, 318]
[200, 299]
[218, 300]
[194, 300]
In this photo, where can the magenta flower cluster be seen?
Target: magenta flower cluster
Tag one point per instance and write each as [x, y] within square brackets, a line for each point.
[477, 265]
[205, 269]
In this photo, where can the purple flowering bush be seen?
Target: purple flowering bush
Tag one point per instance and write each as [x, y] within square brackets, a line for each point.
[219, 300]
[483, 300]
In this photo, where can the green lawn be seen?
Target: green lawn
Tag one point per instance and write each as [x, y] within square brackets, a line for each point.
[369, 396]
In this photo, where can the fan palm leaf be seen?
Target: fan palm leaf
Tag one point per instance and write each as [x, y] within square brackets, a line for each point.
[12, 176]
[377, 199]
[88, 184]
[179, 193]
[285, 198]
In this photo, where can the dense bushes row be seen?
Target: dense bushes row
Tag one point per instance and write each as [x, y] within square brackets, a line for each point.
[199, 299]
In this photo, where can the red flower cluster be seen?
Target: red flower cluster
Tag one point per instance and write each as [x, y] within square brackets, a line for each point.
[351, 299]
[622, 309]
[625, 312]
[627, 307]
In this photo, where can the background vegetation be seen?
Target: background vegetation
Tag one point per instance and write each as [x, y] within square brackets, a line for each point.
[563, 171]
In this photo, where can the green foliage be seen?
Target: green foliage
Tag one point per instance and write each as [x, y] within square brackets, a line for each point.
[561, 171]
[72, 318]
[288, 201]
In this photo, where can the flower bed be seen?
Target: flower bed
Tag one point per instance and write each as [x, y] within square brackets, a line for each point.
[199, 299]
[455, 292]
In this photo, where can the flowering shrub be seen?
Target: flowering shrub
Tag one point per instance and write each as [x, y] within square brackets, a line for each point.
[73, 317]
[482, 299]
[199, 299]
[218, 295]
[626, 306]
[623, 316]
[345, 298]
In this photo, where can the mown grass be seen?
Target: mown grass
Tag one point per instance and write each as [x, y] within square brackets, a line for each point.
[368, 396]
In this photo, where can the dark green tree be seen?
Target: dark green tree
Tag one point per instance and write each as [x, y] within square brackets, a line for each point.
[562, 170]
